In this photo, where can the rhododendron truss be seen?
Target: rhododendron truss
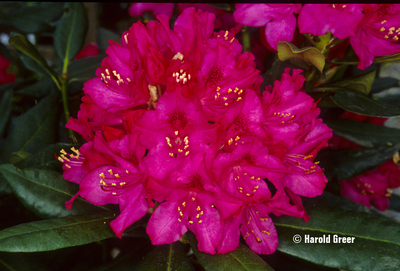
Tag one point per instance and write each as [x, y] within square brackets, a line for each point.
[175, 120]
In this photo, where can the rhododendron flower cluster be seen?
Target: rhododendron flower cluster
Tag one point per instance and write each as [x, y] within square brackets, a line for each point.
[175, 121]
[374, 186]
[372, 29]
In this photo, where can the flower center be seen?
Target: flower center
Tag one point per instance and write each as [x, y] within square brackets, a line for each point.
[118, 184]
[178, 145]
[244, 182]
[190, 210]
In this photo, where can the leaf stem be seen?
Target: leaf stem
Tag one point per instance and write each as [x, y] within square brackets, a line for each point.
[64, 93]
[246, 39]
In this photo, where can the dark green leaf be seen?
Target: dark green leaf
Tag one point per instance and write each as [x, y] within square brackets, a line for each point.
[328, 199]
[240, 259]
[45, 192]
[17, 157]
[354, 60]
[127, 261]
[82, 70]
[70, 32]
[361, 104]
[361, 83]
[166, 257]
[5, 189]
[31, 19]
[364, 134]
[383, 83]
[56, 233]
[376, 244]
[5, 110]
[44, 159]
[394, 203]
[103, 36]
[345, 164]
[23, 45]
[307, 55]
[33, 130]
[20, 262]
[39, 89]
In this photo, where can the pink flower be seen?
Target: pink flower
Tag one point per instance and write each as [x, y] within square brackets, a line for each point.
[377, 33]
[342, 20]
[190, 197]
[5, 77]
[88, 50]
[175, 120]
[138, 9]
[374, 186]
[278, 19]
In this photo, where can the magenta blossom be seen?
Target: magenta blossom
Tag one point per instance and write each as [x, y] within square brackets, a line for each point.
[341, 19]
[377, 33]
[278, 19]
[138, 9]
[175, 121]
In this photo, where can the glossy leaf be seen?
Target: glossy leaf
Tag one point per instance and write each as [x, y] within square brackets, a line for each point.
[166, 257]
[345, 164]
[103, 36]
[70, 32]
[376, 244]
[361, 104]
[361, 83]
[31, 19]
[33, 130]
[45, 192]
[240, 259]
[44, 159]
[364, 134]
[56, 233]
[354, 60]
[308, 55]
[39, 89]
[23, 45]
[382, 83]
[81, 71]
[5, 110]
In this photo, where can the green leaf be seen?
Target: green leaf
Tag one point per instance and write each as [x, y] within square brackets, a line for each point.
[104, 35]
[127, 261]
[345, 164]
[20, 262]
[44, 159]
[17, 157]
[70, 32]
[302, 57]
[382, 83]
[23, 45]
[81, 71]
[166, 257]
[39, 89]
[56, 233]
[361, 83]
[45, 192]
[31, 19]
[364, 134]
[240, 259]
[359, 103]
[376, 244]
[33, 130]
[5, 110]
[354, 60]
